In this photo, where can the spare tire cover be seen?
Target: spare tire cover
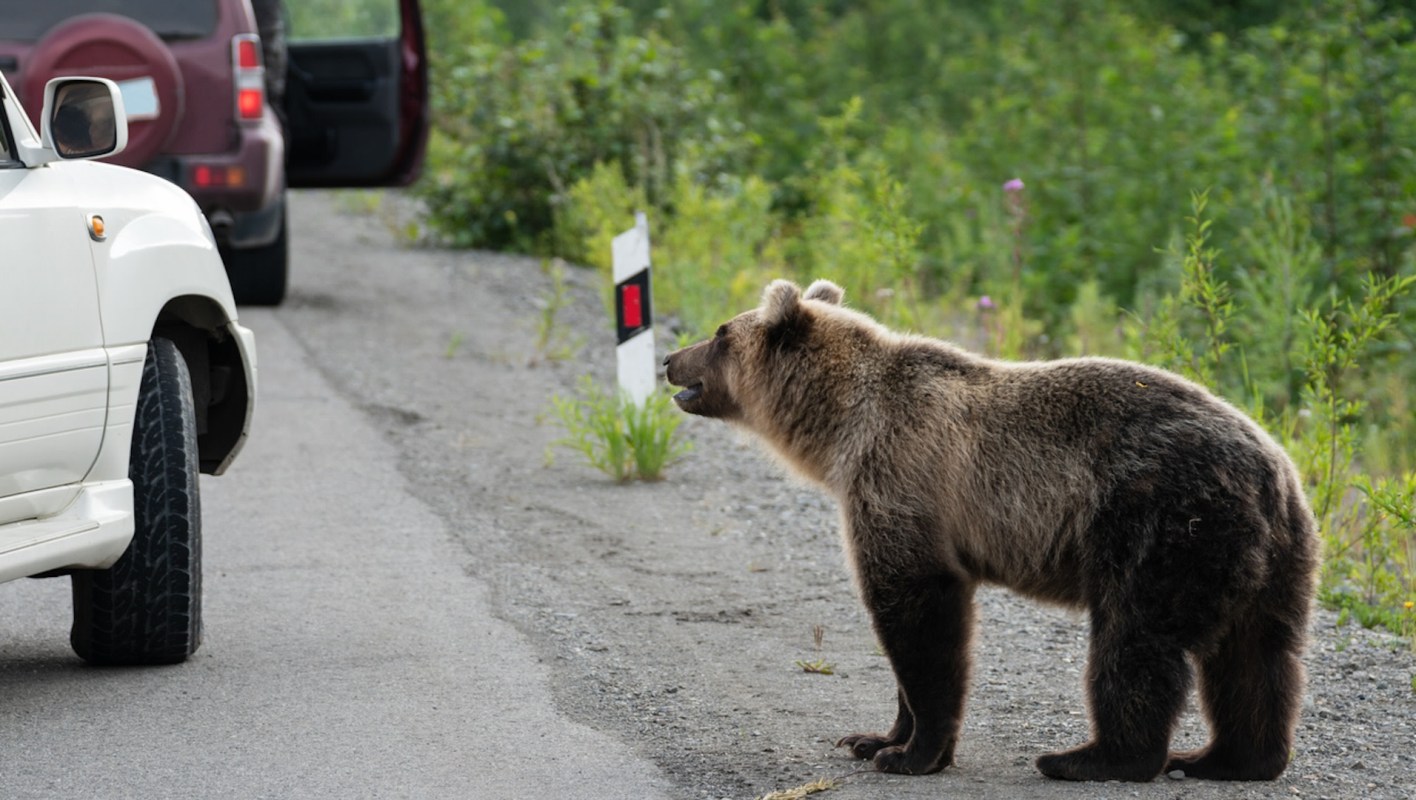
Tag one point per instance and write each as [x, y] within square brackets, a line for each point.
[120, 49]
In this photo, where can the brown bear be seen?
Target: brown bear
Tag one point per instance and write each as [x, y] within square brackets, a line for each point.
[1170, 517]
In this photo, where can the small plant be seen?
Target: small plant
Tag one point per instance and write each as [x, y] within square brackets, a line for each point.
[818, 785]
[618, 437]
[453, 343]
[551, 344]
[1190, 329]
[818, 667]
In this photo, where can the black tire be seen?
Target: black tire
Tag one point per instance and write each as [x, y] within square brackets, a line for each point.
[258, 275]
[146, 608]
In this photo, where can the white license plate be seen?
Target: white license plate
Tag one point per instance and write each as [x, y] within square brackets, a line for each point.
[139, 98]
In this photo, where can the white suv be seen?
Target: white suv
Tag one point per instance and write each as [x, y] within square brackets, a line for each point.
[123, 373]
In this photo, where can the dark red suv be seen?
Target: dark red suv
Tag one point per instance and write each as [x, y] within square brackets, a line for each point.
[236, 120]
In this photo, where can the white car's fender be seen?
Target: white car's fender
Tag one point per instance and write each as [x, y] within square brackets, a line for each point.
[157, 265]
[155, 246]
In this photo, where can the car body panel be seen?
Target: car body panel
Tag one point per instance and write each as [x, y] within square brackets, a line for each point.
[53, 368]
[91, 531]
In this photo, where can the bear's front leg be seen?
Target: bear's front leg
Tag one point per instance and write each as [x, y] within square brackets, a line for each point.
[924, 624]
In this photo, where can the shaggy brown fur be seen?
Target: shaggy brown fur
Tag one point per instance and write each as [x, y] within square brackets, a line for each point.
[1174, 520]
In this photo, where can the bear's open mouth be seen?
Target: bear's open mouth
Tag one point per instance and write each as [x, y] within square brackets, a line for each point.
[689, 394]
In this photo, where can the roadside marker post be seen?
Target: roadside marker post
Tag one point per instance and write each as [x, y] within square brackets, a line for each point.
[634, 319]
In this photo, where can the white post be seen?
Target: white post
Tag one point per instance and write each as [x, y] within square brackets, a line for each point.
[634, 322]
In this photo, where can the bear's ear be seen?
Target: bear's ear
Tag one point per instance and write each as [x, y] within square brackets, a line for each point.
[780, 302]
[826, 292]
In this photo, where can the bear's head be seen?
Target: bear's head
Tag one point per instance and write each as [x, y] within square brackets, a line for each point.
[753, 356]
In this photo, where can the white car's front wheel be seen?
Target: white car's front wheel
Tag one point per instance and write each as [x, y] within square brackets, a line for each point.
[146, 608]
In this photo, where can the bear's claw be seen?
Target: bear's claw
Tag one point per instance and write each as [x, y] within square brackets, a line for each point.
[901, 760]
[864, 746]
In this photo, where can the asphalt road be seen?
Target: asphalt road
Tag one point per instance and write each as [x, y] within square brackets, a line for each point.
[348, 652]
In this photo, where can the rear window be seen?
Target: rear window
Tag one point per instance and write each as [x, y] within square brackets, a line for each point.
[170, 19]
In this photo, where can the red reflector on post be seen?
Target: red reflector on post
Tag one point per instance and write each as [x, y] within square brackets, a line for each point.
[633, 311]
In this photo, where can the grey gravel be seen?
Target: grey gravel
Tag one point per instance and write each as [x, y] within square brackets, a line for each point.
[672, 614]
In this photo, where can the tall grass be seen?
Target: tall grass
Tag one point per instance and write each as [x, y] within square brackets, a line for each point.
[621, 438]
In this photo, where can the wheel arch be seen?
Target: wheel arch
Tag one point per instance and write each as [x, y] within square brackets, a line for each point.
[220, 362]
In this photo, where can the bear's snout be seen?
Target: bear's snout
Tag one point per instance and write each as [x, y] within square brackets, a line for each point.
[684, 367]
[688, 368]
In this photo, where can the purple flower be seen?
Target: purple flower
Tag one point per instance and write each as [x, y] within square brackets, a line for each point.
[1015, 185]
[985, 303]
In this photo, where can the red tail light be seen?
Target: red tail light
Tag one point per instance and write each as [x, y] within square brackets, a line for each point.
[248, 53]
[249, 102]
[248, 74]
[205, 176]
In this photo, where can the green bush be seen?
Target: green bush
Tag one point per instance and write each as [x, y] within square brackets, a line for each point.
[617, 436]
[518, 123]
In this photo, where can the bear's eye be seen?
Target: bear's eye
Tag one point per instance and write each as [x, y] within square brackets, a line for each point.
[722, 332]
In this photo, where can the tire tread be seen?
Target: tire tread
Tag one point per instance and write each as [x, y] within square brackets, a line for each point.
[146, 608]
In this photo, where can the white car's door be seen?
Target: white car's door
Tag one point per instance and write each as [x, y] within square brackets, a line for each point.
[53, 368]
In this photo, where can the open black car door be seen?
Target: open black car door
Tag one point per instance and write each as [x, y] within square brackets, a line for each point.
[357, 108]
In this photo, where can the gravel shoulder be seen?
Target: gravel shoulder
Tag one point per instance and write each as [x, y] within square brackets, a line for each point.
[672, 614]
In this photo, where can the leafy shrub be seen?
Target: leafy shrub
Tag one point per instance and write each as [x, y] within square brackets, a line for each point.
[617, 436]
[520, 122]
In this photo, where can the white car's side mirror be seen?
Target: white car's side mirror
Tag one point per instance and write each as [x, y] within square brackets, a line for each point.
[83, 118]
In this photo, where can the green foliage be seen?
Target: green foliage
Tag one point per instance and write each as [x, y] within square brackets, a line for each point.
[339, 19]
[712, 253]
[601, 206]
[1280, 272]
[942, 102]
[856, 229]
[1338, 337]
[1192, 326]
[518, 123]
[617, 436]
[1370, 566]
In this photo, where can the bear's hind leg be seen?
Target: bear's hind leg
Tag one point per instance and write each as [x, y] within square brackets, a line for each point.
[1136, 686]
[924, 625]
[1250, 689]
[865, 745]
